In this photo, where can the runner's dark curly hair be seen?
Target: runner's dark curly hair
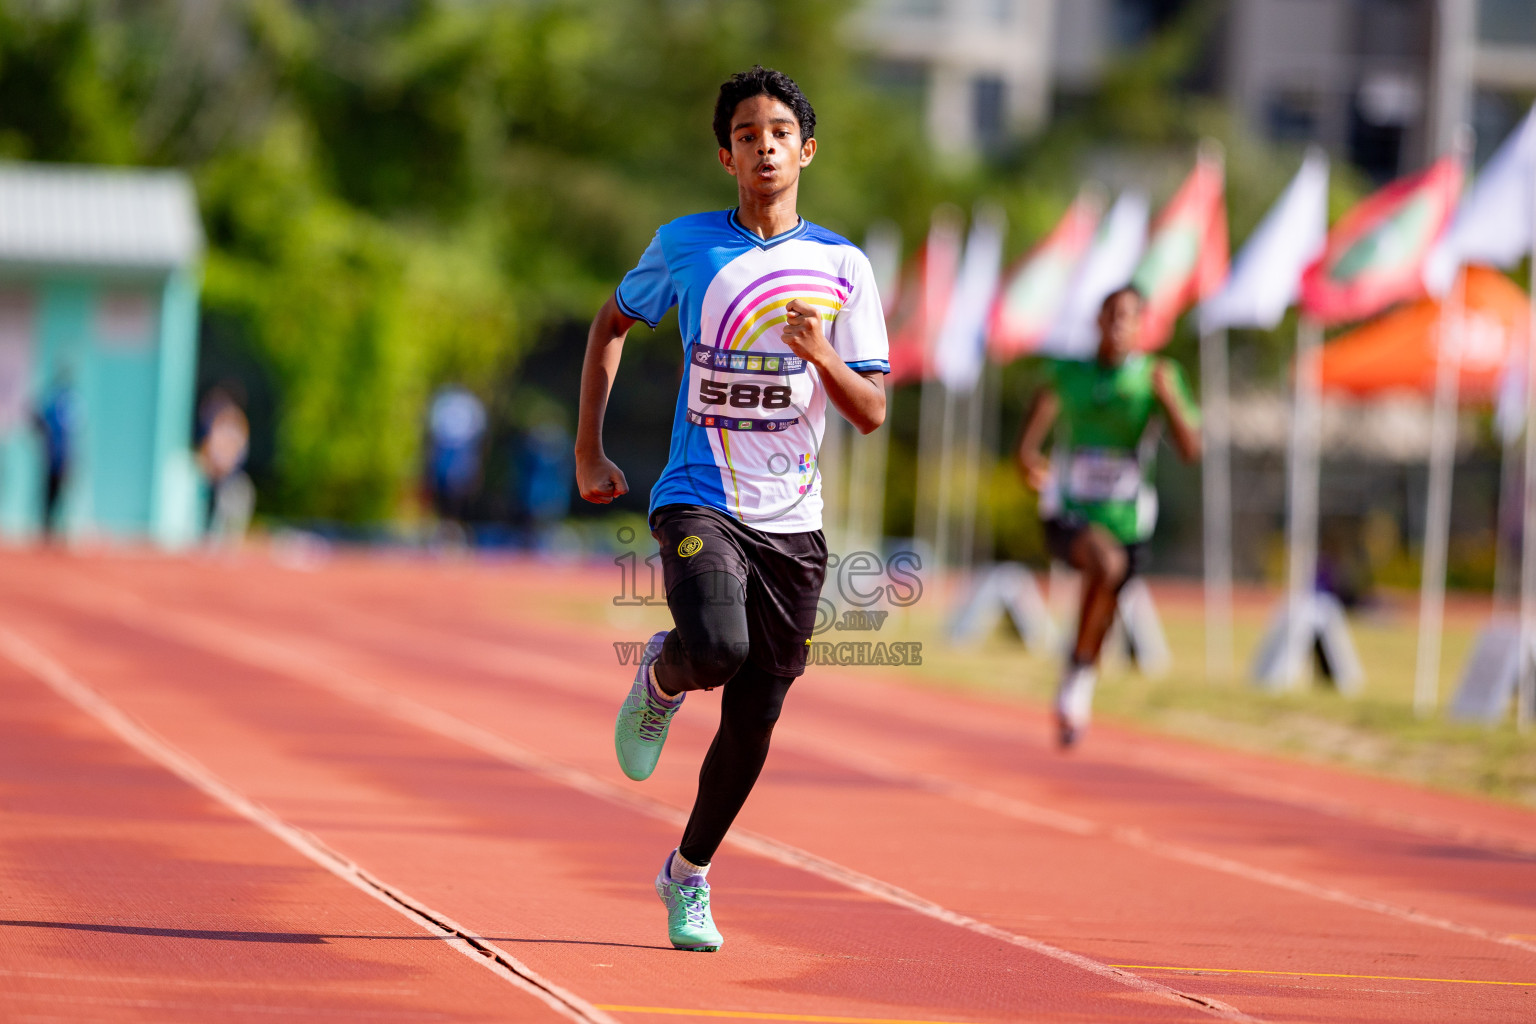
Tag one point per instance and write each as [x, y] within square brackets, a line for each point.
[761, 81]
[1125, 289]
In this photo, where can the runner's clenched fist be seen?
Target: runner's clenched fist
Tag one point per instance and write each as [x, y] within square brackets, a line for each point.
[803, 333]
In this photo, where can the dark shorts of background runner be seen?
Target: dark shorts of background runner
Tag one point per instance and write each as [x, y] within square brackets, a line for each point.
[1063, 530]
[781, 573]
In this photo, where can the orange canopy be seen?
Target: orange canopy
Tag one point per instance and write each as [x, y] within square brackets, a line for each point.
[1397, 351]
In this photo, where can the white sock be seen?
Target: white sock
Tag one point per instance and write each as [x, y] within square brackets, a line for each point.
[684, 869]
[1074, 698]
[657, 691]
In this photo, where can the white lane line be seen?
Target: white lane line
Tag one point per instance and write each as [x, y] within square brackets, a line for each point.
[553, 667]
[548, 669]
[286, 659]
[1023, 810]
[494, 656]
[41, 666]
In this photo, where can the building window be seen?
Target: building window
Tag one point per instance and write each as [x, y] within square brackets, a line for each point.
[1507, 21]
[912, 8]
[1494, 116]
[988, 118]
[1132, 21]
[903, 80]
[1376, 149]
[1291, 116]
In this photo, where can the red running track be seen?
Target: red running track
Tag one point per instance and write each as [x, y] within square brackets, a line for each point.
[385, 789]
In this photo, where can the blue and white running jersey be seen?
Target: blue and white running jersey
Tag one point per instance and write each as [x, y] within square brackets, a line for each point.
[750, 415]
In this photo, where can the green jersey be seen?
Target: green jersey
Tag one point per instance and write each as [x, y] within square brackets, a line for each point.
[1106, 436]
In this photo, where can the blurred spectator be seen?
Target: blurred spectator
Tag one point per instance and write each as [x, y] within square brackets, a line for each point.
[455, 427]
[224, 441]
[545, 478]
[56, 421]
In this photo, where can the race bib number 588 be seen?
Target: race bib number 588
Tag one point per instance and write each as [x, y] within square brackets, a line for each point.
[743, 395]
[728, 385]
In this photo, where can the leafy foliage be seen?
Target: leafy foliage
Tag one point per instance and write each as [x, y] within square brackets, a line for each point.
[404, 192]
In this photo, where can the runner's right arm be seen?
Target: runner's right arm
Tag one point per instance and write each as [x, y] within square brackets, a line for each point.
[597, 477]
[1183, 417]
[1033, 463]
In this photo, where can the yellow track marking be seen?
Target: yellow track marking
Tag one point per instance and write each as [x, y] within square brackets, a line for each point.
[749, 1015]
[1316, 974]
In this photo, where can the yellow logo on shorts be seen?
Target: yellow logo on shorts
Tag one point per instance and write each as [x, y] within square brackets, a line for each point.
[690, 546]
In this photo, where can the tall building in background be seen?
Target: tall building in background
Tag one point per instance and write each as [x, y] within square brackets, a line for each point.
[980, 68]
[1503, 69]
[1363, 78]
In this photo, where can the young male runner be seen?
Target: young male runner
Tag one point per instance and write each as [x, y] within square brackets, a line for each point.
[1096, 496]
[777, 316]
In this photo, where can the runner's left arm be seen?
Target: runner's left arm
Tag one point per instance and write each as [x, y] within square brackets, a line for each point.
[858, 395]
[1183, 415]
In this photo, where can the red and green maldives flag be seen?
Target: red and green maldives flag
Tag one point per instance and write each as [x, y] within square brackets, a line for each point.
[1186, 259]
[1035, 286]
[1375, 256]
[922, 299]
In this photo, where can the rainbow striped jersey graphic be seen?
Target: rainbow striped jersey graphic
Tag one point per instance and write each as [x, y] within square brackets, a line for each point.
[750, 414]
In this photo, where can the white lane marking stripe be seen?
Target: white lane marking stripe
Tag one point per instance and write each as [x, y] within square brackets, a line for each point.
[1008, 806]
[493, 657]
[226, 641]
[41, 666]
[1023, 810]
[547, 670]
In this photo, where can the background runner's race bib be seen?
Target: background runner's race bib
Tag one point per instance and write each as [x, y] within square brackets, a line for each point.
[1097, 474]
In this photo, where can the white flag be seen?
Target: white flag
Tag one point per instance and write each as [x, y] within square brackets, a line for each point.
[1509, 412]
[959, 352]
[1493, 223]
[1266, 276]
[1117, 247]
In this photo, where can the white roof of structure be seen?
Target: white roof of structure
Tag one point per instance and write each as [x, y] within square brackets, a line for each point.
[63, 215]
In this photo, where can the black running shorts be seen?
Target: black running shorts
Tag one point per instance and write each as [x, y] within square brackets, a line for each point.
[1063, 530]
[781, 573]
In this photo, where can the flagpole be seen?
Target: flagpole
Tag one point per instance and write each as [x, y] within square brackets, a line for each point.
[1442, 465]
[938, 285]
[1216, 478]
[945, 478]
[865, 510]
[1437, 517]
[970, 480]
[991, 414]
[1505, 589]
[1302, 543]
[1217, 496]
[1525, 703]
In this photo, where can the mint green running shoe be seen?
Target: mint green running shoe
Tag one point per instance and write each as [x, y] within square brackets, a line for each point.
[641, 728]
[689, 924]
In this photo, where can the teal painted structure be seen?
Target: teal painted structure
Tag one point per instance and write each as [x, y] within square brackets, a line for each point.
[122, 332]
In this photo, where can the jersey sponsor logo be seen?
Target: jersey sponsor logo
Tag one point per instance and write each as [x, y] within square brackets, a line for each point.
[807, 474]
[739, 362]
[700, 419]
[690, 546]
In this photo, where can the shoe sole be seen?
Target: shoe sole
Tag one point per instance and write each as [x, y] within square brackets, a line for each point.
[698, 949]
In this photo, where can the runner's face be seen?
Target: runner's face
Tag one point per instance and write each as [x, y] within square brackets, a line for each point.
[766, 152]
[1119, 327]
